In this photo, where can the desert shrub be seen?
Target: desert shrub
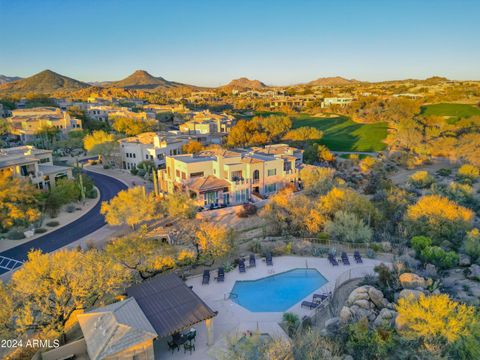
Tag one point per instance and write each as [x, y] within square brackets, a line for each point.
[472, 244]
[255, 246]
[371, 253]
[291, 322]
[319, 251]
[52, 223]
[91, 194]
[419, 243]
[302, 247]
[460, 193]
[349, 228]
[15, 235]
[246, 210]
[421, 179]
[468, 172]
[70, 208]
[134, 171]
[444, 172]
[439, 218]
[376, 247]
[367, 343]
[40, 231]
[439, 257]
[250, 209]
[367, 164]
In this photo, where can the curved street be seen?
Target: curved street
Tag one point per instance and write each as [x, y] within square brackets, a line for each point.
[75, 230]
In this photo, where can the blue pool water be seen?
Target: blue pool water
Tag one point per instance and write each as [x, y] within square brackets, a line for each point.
[277, 293]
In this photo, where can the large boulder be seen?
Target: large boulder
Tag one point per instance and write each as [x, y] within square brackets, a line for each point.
[412, 281]
[363, 302]
[360, 293]
[376, 297]
[474, 272]
[332, 325]
[345, 314]
[464, 260]
[431, 271]
[386, 316]
[409, 293]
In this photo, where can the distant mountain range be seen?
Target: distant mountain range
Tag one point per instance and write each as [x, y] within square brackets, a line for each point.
[6, 79]
[50, 83]
[141, 79]
[244, 83]
[45, 82]
[332, 81]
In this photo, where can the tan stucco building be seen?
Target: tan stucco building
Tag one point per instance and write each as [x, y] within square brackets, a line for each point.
[222, 177]
[35, 165]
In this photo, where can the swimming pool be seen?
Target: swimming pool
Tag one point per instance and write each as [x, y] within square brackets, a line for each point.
[277, 293]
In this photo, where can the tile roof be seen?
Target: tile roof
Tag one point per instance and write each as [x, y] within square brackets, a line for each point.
[114, 328]
[210, 182]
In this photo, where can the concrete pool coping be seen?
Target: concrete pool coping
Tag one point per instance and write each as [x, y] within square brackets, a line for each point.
[232, 317]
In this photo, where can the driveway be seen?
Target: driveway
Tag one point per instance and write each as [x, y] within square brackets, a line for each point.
[73, 231]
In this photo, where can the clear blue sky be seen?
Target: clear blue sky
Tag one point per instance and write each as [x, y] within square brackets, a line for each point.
[211, 42]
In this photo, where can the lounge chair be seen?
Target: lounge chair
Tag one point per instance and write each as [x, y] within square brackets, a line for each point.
[252, 262]
[357, 257]
[345, 259]
[309, 304]
[220, 274]
[319, 297]
[269, 259]
[332, 260]
[241, 265]
[206, 277]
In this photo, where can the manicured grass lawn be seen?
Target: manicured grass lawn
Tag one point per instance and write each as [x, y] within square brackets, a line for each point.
[454, 111]
[343, 134]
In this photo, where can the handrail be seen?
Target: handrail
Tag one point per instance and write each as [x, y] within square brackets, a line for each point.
[230, 295]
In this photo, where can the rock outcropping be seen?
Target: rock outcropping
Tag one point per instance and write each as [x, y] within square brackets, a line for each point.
[367, 302]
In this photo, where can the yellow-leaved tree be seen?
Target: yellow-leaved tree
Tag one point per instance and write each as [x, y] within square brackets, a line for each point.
[213, 240]
[146, 257]
[435, 320]
[192, 147]
[49, 288]
[6, 312]
[18, 201]
[131, 207]
[101, 143]
[439, 218]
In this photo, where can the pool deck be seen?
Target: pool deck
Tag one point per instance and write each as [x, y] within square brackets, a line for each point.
[234, 320]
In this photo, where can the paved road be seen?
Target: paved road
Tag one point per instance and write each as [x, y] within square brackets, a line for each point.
[77, 229]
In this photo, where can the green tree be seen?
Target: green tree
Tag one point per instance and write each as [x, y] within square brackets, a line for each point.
[346, 227]
[64, 192]
[317, 180]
